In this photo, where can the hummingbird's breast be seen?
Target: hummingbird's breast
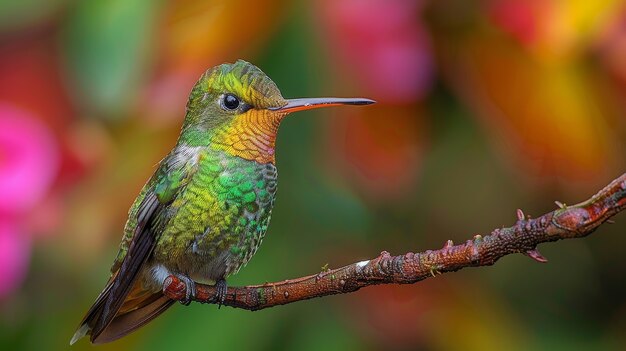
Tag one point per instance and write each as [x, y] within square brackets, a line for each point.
[220, 218]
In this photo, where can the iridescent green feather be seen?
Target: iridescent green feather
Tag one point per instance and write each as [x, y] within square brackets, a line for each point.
[222, 215]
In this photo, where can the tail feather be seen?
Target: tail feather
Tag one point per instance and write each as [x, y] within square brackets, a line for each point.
[127, 322]
[139, 307]
[82, 331]
[92, 315]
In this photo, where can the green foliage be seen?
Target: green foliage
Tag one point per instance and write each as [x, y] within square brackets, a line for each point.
[107, 46]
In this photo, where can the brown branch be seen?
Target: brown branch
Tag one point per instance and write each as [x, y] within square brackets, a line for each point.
[564, 223]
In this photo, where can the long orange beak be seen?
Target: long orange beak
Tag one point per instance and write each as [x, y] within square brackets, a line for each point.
[294, 105]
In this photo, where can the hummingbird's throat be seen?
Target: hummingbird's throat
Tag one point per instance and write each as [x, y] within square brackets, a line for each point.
[251, 136]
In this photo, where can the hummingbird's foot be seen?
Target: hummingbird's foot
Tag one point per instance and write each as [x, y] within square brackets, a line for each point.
[190, 289]
[221, 289]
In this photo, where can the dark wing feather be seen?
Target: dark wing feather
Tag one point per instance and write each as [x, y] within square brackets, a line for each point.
[140, 249]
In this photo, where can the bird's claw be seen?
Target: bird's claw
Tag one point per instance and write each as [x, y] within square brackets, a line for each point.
[190, 289]
[221, 289]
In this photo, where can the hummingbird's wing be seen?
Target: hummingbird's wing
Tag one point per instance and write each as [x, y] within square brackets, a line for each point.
[104, 309]
[140, 249]
[147, 218]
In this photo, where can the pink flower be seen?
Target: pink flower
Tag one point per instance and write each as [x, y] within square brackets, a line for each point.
[29, 162]
[382, 46]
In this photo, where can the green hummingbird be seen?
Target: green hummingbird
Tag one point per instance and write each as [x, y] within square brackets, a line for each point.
[205, 210]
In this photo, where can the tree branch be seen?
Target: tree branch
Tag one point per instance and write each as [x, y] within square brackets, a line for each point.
[564, 223]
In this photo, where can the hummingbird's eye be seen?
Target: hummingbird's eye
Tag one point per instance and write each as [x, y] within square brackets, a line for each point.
[230, 102]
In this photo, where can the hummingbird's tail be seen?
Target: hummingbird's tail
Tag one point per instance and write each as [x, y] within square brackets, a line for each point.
[139, 308]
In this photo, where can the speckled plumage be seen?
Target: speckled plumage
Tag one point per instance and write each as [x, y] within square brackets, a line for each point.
[218, 220]
[221, 210]
[205, 210]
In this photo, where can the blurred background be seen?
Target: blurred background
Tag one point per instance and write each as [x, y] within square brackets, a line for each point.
[484, 107]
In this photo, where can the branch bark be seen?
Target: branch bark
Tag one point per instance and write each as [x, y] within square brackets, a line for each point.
[566, 222]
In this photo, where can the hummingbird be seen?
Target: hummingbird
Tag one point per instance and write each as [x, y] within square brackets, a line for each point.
[204, 212]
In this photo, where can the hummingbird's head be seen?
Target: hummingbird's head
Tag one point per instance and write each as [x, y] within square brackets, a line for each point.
[237, 108]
